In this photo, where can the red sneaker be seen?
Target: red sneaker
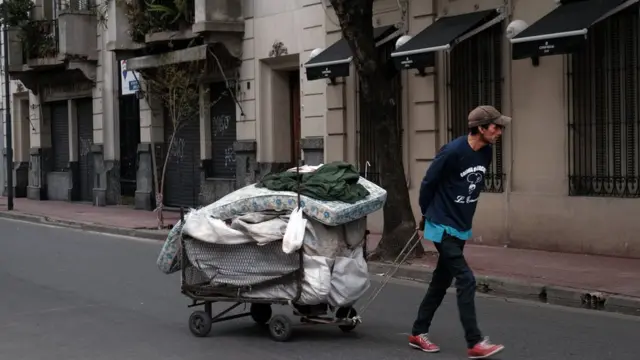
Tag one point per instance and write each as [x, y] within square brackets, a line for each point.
[484, 349]
[422, 342]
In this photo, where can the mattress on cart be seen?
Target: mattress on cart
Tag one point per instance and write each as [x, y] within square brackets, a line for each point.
[332, 213]
[240, 264]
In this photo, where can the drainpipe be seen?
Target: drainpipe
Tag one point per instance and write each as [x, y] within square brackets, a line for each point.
[509, 5]
[406, 134]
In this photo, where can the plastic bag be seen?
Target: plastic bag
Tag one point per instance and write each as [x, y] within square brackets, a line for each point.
[294, 235]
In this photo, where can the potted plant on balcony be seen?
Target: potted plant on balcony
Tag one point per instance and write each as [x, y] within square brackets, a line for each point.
[16, 14]
[151, 16]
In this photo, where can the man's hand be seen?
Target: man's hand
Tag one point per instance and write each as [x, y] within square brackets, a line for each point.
[421, 224]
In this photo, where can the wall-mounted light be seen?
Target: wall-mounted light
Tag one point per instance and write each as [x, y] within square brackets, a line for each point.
[516, 27]
[315, 52]
[402, 40]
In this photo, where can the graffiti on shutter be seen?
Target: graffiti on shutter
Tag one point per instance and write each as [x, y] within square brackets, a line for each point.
[223, 130]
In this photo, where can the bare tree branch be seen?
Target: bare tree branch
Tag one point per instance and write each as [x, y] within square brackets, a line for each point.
[177, 88]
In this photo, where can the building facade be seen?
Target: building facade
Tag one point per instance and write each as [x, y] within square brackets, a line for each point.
[564, 176]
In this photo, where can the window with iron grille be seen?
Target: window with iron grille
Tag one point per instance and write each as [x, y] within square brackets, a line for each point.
[367, 159]
[475, 78]
[603, 111]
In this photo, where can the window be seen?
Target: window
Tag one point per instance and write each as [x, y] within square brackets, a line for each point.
[603, 110]
[475, 78]
[367, 159]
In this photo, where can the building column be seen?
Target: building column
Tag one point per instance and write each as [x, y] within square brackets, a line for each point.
[106, 138]
[151, 139]
[40, 152]
[74, 166]
[22, 130]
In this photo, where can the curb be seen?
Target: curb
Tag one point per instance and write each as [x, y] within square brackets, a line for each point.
[139, 233]
[513, 288]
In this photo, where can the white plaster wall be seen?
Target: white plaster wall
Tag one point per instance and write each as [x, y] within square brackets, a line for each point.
[299, 25]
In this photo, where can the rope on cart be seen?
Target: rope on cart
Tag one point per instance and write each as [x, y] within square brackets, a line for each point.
[413, 241]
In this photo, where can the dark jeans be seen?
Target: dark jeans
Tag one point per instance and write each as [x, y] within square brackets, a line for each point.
[451, 264]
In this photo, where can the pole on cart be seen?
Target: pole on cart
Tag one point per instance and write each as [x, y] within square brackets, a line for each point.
[297, 160]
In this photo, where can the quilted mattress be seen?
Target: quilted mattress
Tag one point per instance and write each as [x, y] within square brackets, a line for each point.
[332, 213]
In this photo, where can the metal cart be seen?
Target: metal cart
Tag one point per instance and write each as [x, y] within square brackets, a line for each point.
[202, 293]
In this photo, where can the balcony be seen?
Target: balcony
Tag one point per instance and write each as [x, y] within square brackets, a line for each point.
[45, 50]
[78, 29]
[34, 45]
[47, 43]
[220, 21]
[218, 16]
[147, 22]
[177, 31]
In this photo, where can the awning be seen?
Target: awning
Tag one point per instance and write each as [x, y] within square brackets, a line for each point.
[443, 34]
[564, 30]
[335, 60]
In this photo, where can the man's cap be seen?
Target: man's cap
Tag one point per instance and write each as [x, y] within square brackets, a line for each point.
[485, 115]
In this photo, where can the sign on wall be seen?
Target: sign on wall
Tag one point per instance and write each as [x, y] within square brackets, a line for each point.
[129, 84]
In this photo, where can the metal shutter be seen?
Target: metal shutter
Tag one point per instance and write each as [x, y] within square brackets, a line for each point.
[223, 131]
[60, 135]
[84, 111]
[182, 178]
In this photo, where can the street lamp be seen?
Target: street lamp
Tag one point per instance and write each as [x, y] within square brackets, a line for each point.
[7, 109]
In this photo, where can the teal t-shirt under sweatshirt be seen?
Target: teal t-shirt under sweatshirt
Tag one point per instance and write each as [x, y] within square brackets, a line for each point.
[450, 189]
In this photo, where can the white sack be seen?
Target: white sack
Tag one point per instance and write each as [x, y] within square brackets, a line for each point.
[354, 232]
[315, 286]
[323, 240]
[203, 227]
[349, 279]
[261, 227]
[248, 228]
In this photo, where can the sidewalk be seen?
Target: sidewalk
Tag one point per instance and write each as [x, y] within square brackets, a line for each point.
[587, 281]
[121, 220]
[597, 282]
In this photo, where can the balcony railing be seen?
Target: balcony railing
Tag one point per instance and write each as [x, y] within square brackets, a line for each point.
[40, 39]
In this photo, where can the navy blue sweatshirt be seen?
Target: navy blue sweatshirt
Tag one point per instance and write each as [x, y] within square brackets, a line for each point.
[450, 189]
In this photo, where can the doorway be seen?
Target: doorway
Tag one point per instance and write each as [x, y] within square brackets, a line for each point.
[84, 120]
[129, 140]
[295, 115]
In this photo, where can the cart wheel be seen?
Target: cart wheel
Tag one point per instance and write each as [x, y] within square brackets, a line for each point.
[200, 323]
[346, 313]
[280, 328]
[261, 313]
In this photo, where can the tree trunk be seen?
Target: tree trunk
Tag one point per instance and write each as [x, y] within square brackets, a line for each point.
[356, 21]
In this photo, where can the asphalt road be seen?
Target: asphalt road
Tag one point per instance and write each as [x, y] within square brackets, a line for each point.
[70, 295]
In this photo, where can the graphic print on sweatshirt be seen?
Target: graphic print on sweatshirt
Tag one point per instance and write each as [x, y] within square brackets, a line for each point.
[474, 177]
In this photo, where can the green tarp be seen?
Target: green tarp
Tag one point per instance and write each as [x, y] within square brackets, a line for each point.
[337, 181]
